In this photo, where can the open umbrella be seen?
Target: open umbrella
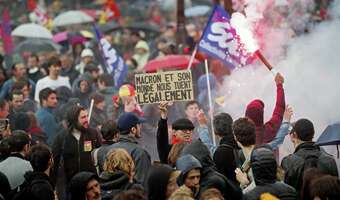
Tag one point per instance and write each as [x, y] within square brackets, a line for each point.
[72, 17]
[330, 136]
[169, 62]
[36, 46]
[31, 30]
[197, 11]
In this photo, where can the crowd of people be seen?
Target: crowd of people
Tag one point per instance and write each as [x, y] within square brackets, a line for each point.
[68, 133]
[55, 150]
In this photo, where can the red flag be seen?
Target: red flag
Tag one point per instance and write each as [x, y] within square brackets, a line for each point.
[31, 5]
[112, 9]
[6, 32]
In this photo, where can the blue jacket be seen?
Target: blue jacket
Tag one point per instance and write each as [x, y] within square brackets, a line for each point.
[48, 123]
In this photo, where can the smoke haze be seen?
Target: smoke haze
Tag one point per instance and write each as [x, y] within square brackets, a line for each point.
[310, 64]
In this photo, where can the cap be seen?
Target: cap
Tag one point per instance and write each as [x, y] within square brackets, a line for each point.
[86, 52]
[128, 120]
[183, 124]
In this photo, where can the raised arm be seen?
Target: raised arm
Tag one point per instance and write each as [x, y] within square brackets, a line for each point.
[163, 146]
[284, 128]
[273, 125]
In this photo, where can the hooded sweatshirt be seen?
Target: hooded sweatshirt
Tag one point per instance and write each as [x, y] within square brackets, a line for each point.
[78, 184]
[83, 97]
[264, 169]
[185, 164]
[210, 178]
[266, 132]
[157, 181]
[113, 183]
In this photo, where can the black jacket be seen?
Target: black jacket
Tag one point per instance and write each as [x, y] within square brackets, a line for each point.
[76, 155]
[139, 155]
[307, 155]
[280, 190]
[264, 168]
[210, 178]
[163, 146]
[42, 189]
[112, 184]
[224, 158]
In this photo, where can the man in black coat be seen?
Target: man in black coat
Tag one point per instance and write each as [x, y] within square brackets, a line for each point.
[306, 155]
[40, 158]
[75, 144]
[226, 156]
[264, 168]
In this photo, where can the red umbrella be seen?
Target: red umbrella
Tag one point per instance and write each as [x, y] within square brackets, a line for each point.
[168, 62]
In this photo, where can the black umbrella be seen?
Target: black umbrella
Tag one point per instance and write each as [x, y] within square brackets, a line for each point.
[330, 136]
[36, 46]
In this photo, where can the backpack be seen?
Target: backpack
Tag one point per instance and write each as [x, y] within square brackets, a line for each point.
[237, 154]
[25, 190]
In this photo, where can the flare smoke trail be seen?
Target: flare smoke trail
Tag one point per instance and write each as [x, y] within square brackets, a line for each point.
[310, 64]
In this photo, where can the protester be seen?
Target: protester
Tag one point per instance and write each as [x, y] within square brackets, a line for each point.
[67, 68]
[87, 57]
[129, 129]
[98, 116]
[83, 90]
[266, 132]
[182, 193]
[325, 187]
[15, 166]
[33, 71]
[175, 152]
[53, 80]
[85, 186]
[142, 53]
[264, 168]
[306, 155]
[5, 188]
[106, 88]
[118, 174]
[45, 116]
[38, 183]
[309, 176]
[75, 144]
[160, 182]
[226, 156]
[110, 135]
[190, 175]
[211, 194]
[182, 131]
[16, 106]
[37, 134]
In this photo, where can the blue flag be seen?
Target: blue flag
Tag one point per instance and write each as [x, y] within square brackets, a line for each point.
[114, 63]
[219, 40]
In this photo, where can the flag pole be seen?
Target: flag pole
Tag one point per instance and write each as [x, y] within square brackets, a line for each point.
[90, 111]
[210, 102]
[192, 57]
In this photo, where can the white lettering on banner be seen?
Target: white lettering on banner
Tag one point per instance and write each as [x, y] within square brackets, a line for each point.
[213, 49]
[118, 70]
[219, 34]
[223, 38]
[110, 53]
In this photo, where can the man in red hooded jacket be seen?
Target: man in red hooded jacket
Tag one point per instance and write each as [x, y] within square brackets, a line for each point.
[266, 132]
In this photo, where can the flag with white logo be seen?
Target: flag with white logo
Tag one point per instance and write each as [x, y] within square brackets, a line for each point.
[219, 40]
